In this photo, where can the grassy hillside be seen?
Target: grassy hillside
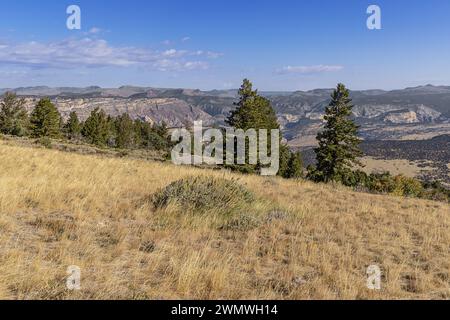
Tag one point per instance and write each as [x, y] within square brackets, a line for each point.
[295, 240]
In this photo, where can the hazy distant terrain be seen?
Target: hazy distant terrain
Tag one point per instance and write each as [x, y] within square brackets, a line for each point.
[408, 114]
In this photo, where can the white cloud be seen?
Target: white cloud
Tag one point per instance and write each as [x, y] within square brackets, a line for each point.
[95, 30]
[185, 39]
[89, 52]
[213, 55]
[12, 73]
[309, 69]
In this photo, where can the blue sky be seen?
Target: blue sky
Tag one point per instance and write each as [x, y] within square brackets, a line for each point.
[279, 45]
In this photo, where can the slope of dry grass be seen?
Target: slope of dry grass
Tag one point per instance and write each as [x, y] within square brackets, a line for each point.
[299, 241]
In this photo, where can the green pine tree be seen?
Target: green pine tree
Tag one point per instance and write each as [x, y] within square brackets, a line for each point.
[161, 130]
[138, 127]
[255, 111]
[125, 134]
[295, 166]
[72, 128]
[111, 132]
[13, 116]
[252, 112]
[152, 137]
[285, 155]
[338, 149]
[96, 128]
[45, 120]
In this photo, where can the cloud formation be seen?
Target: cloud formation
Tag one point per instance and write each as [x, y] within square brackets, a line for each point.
[94, 30]
[92, 53]
[309, 69]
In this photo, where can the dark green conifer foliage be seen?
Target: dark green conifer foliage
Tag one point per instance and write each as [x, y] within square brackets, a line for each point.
[125, 133]
[253, 111]
[338, 150]
[45, 120]
[13, 116]
[295, 166]
[96, 128]
[256, 112]
[72, 128]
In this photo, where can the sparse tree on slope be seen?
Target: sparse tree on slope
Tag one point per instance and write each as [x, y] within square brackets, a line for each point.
[125, 134]
[72, 128]
[256, 112]
[13, 116]
[45, 120]
[338, 149]
[96, 128]
[253, 110]
[294, 166]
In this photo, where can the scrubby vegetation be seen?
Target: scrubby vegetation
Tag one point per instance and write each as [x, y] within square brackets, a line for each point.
[202, 194]
[399, 185]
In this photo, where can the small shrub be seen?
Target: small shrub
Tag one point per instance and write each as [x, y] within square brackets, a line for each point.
[408, 187]
[434, 190]
[45, 142]
[202, 194]
[381, 182]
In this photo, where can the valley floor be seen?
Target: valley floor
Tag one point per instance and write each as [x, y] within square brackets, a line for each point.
[311, 241]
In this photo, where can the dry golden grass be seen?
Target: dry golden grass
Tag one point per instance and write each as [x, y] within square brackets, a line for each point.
[309, 241]
[395, 167]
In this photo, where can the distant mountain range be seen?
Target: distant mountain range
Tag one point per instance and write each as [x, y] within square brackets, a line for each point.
[419, 112]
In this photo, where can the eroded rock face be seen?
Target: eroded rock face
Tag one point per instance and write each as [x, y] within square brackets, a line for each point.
[426, 114]
[371, 111]
[402, 117]
[174, 112]
[418, 114]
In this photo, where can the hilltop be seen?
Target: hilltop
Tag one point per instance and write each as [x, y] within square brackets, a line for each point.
[393, 124]
[294, 240]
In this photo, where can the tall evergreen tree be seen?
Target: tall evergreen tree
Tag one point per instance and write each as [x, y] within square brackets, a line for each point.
[256, 112]
[111, 132]
[151, 137]
[338, 149]
[285, 155]
[161, 130]
[96, 128]
[13, 116]
[253, 110]
[72, 128]
[125, 134]
[45, 120]
[294, 166]
[138, 127]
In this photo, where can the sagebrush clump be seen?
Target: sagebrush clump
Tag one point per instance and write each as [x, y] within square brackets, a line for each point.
[205, 194]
